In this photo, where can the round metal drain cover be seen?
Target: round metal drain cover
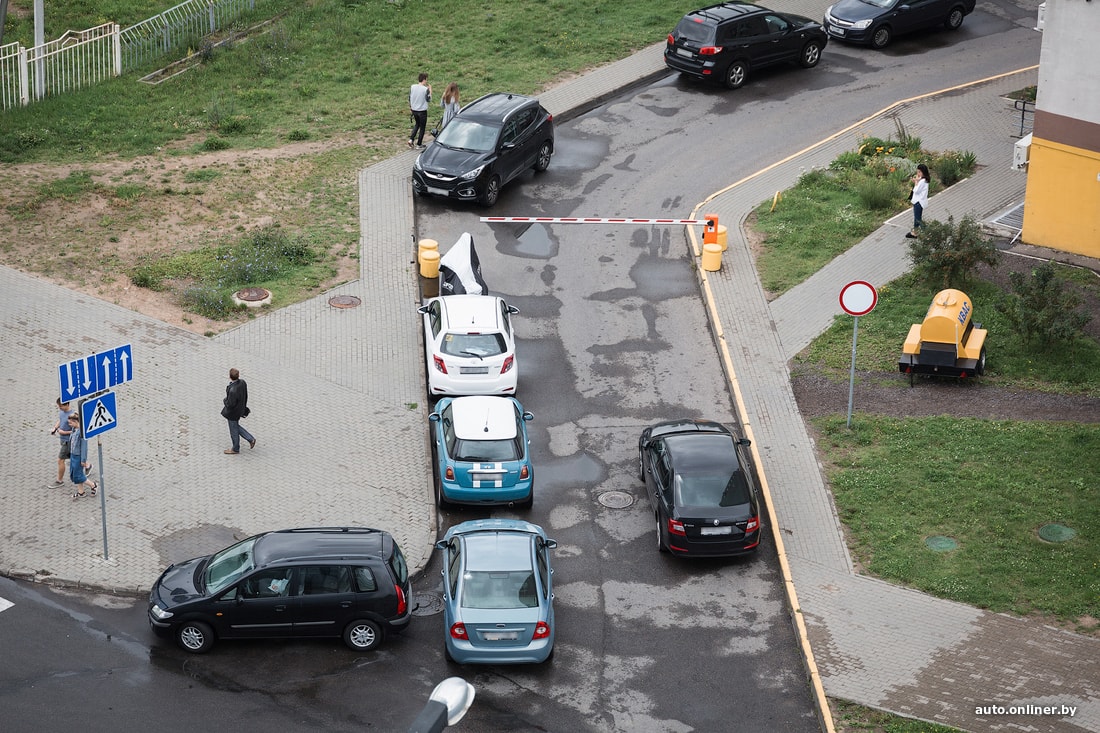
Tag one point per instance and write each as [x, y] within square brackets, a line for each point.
[1056, 533]
[426, 603]
[616, 499]
[251, 295]
[939, 543]
[344, 301]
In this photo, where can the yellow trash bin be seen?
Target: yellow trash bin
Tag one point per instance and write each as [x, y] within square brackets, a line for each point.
[429, 263]
[712, 257]
[721, 237]
[426, 245]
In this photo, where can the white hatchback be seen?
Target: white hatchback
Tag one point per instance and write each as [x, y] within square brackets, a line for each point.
[470, 345]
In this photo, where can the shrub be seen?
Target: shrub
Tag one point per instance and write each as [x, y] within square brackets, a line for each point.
[297, 134]
[948, 253]
[1041, 310]
[147, 276]
[209, 301]
[849, 160]
[214, 143]
[877, 194]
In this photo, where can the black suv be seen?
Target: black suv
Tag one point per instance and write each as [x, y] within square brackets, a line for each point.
[350, 582]
[491, 141]
[726, 42]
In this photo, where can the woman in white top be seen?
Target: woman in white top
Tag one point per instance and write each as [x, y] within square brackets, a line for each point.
[919, 198]
[450, 104]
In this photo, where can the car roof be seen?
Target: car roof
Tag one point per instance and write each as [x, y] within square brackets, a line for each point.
[319, 543]
[484, 418]
[725, 11]
[701, 452]
[495, 106]
[498, 550]
[471, 312]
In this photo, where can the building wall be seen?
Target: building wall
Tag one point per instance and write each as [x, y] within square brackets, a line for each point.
[1062, 204]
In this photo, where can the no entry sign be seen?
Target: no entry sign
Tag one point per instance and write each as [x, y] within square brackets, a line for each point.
[858, 298]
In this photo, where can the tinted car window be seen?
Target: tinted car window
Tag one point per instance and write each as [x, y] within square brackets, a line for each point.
[267, 584]
[776, 24]
[398, 565]
[323, 579]
[364, 580]
[488, 450]
[701, 33]
[473, 344]
[504, 589]
[711, 490]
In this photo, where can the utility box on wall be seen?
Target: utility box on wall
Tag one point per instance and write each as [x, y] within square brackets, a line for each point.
[1021, 152]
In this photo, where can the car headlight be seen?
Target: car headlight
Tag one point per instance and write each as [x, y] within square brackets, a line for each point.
[416, 164]
[861, 24]
[472, 174]
[160, 613]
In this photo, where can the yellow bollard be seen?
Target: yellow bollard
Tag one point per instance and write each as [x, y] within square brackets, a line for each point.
[721, 237]
[425, 245]
[712, 257]
[429, 263]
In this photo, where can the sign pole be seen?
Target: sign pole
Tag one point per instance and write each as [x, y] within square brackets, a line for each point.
[851, 374]
[857, 298]
[102, 498]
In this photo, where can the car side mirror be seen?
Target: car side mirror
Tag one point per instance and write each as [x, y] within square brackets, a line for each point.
[507, 146]
[441, 545]
[551, 544]
[744, 441]
[434, 417]
[513, 310]
[423, 310]
[526, 416]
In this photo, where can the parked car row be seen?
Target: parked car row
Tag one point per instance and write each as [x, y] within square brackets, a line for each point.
[729, 41]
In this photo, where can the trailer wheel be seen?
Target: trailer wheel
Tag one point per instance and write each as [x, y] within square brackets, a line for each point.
[980, 368]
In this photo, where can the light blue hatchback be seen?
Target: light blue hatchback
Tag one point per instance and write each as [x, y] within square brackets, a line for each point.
[498, 602]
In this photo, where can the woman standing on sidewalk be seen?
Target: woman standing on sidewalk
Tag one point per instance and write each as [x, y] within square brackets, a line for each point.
[78, 460]
[919, 198]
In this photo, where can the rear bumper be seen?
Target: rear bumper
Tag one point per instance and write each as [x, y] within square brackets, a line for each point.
[489, 496]
[464, 652]
[963, 368]
[747, 545]
[704, 70]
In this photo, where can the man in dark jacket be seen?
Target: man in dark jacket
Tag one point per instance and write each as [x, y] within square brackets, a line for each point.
[235, 407]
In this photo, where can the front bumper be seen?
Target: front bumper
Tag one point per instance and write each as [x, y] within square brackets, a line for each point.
[426, 184]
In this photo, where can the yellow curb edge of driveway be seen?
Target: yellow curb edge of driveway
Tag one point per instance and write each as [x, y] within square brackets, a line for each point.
[824, 711]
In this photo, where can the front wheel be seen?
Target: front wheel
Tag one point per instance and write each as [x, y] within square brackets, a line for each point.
[736, 74]
[362, 635]
[881, 37]
[492, 192]
[811, 54]
[195, 637]
[542, 160]
[954, 19]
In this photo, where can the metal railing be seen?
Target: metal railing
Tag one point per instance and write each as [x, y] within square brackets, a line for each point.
[80, 59]
[1027, 115]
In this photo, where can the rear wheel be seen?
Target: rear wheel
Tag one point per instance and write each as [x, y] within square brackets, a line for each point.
[542, 160]
[811, 54]
[881, 36]
[362, 635]
[440, 498]
[195, 637]
[529, 501]
[954, 18]
[660, 541]
[492, 192]
[736, 74]
[980, 368]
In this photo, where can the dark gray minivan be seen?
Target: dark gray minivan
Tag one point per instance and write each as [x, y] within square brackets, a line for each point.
[349, 582]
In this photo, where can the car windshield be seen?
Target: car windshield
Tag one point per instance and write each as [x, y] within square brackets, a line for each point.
[881, 3]
[227, 566]
[693, 30]
[711, 490]
[512, 589]
[478, 345]
[469, 135]
[488, 450]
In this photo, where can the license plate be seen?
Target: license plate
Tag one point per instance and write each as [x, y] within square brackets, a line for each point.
[715, 530]
[685, 53]
[500, 636]
[473, 370]
[438, 191]
[487, 476]
[836, 31]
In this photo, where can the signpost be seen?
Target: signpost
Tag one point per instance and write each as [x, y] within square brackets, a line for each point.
[857, 298]
[91, 377]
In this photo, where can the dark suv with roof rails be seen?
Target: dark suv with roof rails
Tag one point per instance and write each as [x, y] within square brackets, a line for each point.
[492, 140]
[349, 582]
[726, 42]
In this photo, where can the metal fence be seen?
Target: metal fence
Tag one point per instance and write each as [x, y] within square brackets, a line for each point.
[80, 59]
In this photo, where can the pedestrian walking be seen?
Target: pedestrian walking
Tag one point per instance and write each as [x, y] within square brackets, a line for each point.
[450, 103]
[78, 461]
[420, 94]
[61, 429]
[919, 198]
[234, 407]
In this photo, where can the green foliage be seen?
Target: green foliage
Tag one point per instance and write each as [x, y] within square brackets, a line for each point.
[877, 194]
[214, 143]
[899, 481]
[948, 254]
[297, 134]
[201, 175]
[849, 160]
[209, 301]
[1042, 310]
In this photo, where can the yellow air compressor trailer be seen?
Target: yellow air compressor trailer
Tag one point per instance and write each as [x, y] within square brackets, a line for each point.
[948, 343]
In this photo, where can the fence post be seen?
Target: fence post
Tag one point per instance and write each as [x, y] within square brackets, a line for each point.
[24, 82]
[210, 16]
[116, 48]
[164, 33]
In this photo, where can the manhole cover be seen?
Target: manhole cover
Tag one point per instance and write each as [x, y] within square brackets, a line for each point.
[250, 295]
[426, 603]
[1056, 533]
[344, 301]
[939, 543]
[616, 499]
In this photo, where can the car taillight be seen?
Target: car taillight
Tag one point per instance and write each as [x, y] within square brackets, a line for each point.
[524, 472]
[458, 631]
[671, 40]
[542, 630]
[508, 364]
[450, 473]
[710, 50]
[402, 604]
[439, 365]
[676, 527]
[752, 525]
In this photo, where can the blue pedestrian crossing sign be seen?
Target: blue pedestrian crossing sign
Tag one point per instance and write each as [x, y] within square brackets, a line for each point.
[95, 373]
[99, 414]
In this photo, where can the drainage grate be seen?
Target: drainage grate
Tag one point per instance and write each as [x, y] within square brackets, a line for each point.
[615, 499]
[426, 603]
[1013, 218]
